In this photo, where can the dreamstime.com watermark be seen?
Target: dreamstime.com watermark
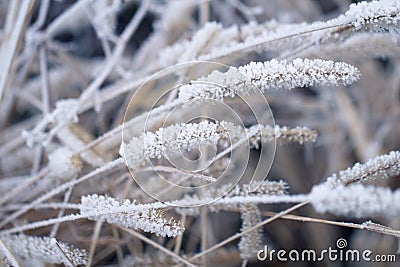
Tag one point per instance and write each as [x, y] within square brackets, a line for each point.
[339, 253]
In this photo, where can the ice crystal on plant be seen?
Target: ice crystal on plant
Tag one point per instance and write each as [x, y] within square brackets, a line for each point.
[171, 139]
[380, 167]
[356, 201]
[268, 75]
[251, 242]
[41, 248]
[63, 163]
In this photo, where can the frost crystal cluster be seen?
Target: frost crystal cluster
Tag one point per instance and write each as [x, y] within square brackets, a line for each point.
[356, 201]
[380, 167]
[190, 133]
[43, 249]
[130, 215]
[376, 15]
[171, 139]
[269, 75]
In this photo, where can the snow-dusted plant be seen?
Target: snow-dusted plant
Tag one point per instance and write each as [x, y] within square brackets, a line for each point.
[380, 167]
[171, 139]
[130, 215]
[356, 201]
[157, 132]
[271, 74]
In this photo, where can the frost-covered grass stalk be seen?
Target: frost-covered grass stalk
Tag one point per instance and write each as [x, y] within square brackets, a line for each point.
[165, 133]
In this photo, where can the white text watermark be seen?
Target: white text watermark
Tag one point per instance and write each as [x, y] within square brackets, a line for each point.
[338, 253]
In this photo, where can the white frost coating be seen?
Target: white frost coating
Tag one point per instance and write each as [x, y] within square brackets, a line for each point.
[217, 86]
[170, 140]
[42, 249]
[381, 167]
[356, 201]
[270, 74]
[376, 15]
[188, 136]
[130, 215]
[200, 40]
[63, 164]
[265, 133]
[359, 46]
[250, 242]
[66, 111]
[299, 73]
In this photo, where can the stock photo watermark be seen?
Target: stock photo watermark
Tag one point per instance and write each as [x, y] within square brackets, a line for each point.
[338, 253]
